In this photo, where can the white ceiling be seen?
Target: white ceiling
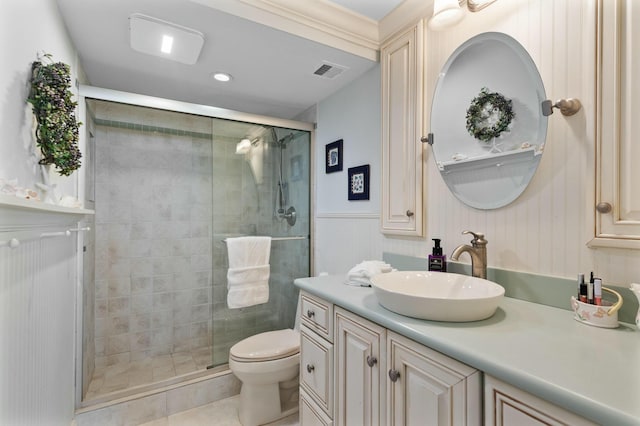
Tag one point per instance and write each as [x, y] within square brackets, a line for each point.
[374, 9]
[272, 70]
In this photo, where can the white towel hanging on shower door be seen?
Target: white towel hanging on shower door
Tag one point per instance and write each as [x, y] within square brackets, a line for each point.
[249, 270]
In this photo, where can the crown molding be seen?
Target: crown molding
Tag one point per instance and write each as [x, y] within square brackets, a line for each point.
[407, 13]
[317, 20]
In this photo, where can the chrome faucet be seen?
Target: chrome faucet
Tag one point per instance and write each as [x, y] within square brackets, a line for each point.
[478, 252]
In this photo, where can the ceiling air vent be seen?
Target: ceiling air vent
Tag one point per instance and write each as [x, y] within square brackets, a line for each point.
[329, 70]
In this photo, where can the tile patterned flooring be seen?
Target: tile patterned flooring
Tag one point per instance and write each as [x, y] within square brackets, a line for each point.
[124, 375]
[219, 413]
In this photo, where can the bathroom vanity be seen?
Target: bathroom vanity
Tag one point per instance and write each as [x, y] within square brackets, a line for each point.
[528, 364]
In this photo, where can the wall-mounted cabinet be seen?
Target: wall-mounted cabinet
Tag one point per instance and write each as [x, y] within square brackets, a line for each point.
[401, 60]
[617, 210]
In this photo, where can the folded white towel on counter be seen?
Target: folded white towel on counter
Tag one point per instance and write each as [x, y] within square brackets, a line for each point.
[360, 275]
[249, 270]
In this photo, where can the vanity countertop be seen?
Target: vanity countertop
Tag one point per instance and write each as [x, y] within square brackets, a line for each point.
[591, 371]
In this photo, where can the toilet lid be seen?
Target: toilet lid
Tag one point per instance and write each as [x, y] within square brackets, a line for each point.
[267, 346]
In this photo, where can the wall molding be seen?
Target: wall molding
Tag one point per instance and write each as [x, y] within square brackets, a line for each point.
[323, 22]
[347, 215]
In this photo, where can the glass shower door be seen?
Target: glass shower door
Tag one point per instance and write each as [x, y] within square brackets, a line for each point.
[256, 191]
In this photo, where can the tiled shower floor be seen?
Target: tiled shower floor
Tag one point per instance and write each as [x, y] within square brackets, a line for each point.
[126, 375]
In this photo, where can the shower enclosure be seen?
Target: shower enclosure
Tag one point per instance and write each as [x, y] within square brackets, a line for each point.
[168, 188]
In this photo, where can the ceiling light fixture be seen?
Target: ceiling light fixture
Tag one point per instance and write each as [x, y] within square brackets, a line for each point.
[167, 44]
[221, 76]
[447, 13]
[156, 37]
[478, 5]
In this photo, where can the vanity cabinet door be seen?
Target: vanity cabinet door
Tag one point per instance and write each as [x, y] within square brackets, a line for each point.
[506, 405]
[401, 60]
[428, 388]
[617, 209]
[359, 349]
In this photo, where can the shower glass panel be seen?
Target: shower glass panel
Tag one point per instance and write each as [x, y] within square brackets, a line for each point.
[170, 187]
[266, 192]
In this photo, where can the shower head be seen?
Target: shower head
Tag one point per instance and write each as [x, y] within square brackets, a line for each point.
[285, 140]
[245, 145]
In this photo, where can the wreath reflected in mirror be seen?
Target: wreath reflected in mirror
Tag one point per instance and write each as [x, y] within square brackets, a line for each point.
[489, 115]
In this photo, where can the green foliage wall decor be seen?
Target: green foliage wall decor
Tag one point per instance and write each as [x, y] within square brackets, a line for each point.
[57, 128]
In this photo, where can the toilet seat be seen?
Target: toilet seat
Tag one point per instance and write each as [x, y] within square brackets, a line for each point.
[267, 346]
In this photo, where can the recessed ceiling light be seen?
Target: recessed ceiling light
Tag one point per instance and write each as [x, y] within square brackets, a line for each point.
[221, 76]
[156, 37]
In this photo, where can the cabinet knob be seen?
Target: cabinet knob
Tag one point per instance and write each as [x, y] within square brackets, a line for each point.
[310, 313]
[409, 213]
[394, 375]
[604, 208]
[371, 360]
[310, 368]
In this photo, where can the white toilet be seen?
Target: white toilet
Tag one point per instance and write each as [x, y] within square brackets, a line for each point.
[267, 364]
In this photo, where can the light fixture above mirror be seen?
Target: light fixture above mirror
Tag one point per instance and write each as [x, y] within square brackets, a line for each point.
[477, 5]
[447, 13]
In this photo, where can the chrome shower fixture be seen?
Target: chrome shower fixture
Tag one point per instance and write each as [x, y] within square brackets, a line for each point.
[281, 211]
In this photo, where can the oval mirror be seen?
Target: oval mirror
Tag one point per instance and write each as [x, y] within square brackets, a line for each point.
[488, 131]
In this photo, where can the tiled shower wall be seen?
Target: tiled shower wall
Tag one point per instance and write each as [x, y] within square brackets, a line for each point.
[153, 237]
[168, 192]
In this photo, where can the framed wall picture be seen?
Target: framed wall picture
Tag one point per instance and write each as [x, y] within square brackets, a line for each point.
[333, 157]
[359, 183]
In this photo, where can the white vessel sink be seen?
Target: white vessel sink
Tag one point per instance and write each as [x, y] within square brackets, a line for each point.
[438, 296]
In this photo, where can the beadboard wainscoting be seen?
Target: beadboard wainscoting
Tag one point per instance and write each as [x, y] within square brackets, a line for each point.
[345, 239]
[37, 329]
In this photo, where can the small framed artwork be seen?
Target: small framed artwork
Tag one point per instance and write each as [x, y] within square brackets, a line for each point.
[359, 183]
[333, 160]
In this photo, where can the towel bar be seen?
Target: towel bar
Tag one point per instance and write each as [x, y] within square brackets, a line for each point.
[299, 237]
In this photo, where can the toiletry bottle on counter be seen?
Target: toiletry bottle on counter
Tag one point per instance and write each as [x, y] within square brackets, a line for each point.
[437, 260]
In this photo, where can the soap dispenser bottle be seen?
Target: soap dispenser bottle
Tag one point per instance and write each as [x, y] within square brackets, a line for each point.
[437, 260]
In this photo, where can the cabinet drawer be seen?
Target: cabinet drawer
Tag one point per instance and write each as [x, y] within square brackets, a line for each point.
[316, 369]
[317, 315]
[311, 414]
